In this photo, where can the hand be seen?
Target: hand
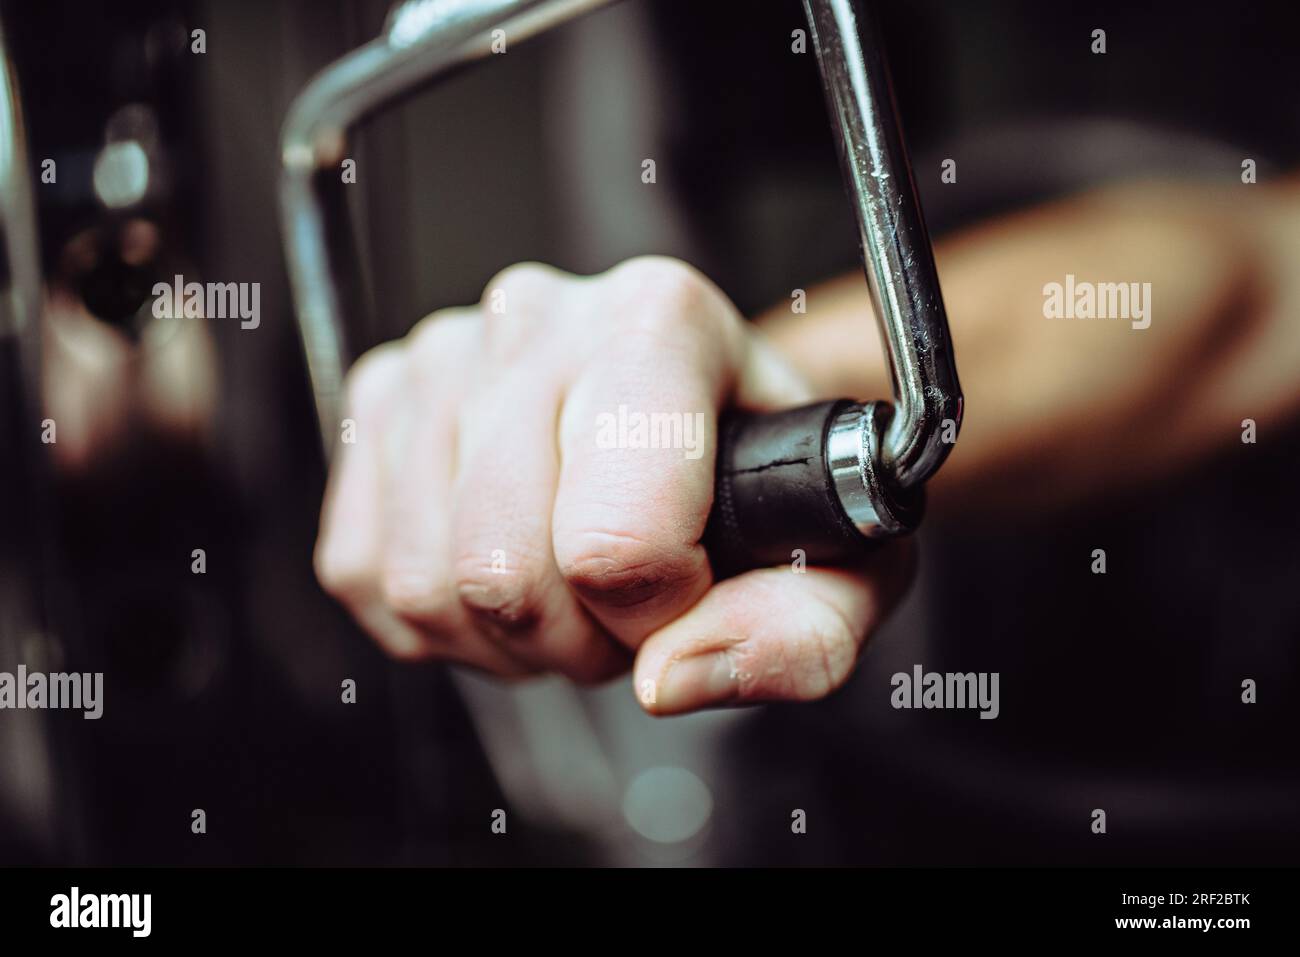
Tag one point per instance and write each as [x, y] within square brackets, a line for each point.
[481, 515]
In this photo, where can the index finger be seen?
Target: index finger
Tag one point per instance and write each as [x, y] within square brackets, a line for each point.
[638, 439]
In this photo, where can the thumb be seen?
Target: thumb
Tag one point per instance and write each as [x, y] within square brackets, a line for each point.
[774, 634]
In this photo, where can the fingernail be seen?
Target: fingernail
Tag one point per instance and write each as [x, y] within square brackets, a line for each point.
[697, 682]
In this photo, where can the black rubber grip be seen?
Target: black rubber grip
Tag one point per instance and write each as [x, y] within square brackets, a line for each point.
[773, 493]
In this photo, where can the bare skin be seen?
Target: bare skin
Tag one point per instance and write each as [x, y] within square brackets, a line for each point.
[475, 518]
[1059, 411]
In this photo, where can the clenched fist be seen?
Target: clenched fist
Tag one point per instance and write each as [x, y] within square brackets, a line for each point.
[487, 510]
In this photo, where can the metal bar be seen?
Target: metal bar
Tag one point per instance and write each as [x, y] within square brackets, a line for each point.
[896, 253]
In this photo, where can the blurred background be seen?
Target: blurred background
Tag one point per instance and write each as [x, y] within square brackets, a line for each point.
[223, 689]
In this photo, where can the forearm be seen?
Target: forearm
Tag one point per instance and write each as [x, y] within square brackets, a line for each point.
[1059, 408]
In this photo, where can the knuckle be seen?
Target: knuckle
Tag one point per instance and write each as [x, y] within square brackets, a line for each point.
[354, 586]
[623, 570]
[373, 376]
[660, 292]
[419, 598]
[441, 335]
[524, 282]
[514, 296]
[342, 576]
[509, 598]
[660, 271]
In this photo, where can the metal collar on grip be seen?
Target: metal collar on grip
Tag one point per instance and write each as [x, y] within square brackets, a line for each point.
[873, 501]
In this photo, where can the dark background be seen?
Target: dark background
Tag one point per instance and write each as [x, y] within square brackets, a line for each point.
[1118, 691]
